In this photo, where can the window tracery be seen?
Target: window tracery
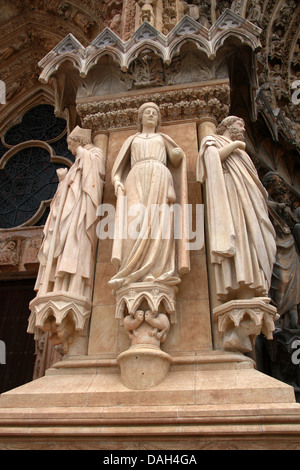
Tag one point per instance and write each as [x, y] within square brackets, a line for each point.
[30, 153]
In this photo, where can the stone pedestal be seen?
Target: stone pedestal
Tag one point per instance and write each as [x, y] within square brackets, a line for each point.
[143, 366]
[209, 400]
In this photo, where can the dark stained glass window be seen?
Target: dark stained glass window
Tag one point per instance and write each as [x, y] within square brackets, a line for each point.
[27, 179]
[39, 123]
[29, 176]
[3, 149]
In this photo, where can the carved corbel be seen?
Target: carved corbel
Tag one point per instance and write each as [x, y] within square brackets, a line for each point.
[64, 316]
[241, 321]
[153, 294]
[147, 326]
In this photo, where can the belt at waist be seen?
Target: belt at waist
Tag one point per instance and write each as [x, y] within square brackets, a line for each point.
[148, 160]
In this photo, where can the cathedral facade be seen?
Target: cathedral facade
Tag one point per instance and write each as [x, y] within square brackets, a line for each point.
[184, 335]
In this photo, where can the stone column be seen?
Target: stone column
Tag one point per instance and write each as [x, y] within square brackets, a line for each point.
[100, 139]
[207, 126]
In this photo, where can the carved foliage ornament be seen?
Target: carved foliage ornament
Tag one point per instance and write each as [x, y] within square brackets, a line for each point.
[174, 105]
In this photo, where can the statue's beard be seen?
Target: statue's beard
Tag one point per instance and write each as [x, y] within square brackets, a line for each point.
[236, 134]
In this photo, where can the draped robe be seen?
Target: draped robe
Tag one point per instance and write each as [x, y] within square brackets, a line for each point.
[241, 235]
[141, 167]
[73, 212]
[285, 282]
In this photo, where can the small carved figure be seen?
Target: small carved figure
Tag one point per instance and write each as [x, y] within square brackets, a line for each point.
[8, 254]
[161, 324]
[285, 282]
[30, 258]
[133, 321]
[254, 13]
[115, 23]
[147, 11]
[62, 333]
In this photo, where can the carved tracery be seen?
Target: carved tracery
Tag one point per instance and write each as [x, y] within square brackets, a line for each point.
[32, 151]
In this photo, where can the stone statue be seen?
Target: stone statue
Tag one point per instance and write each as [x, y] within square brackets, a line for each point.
[254, 12]
[67, 254]
[141, 173]
[285, 282]
[68, 249]
[242, 238]
[296, 228]
[147, 11]
[149, 174]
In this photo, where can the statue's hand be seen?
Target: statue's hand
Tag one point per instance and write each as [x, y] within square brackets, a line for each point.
[176, 155]
[61, 173]
[177, 151]
[240, 144]
[225, 151]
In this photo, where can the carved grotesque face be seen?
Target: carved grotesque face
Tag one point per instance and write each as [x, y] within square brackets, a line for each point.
[150, 117]
[237, 130]
[11, 246]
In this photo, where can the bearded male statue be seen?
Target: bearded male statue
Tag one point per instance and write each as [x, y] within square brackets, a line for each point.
[241, 235]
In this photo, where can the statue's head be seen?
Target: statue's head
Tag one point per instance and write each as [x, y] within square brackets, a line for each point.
[144, 108]
[79, 136]
[233, 126]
